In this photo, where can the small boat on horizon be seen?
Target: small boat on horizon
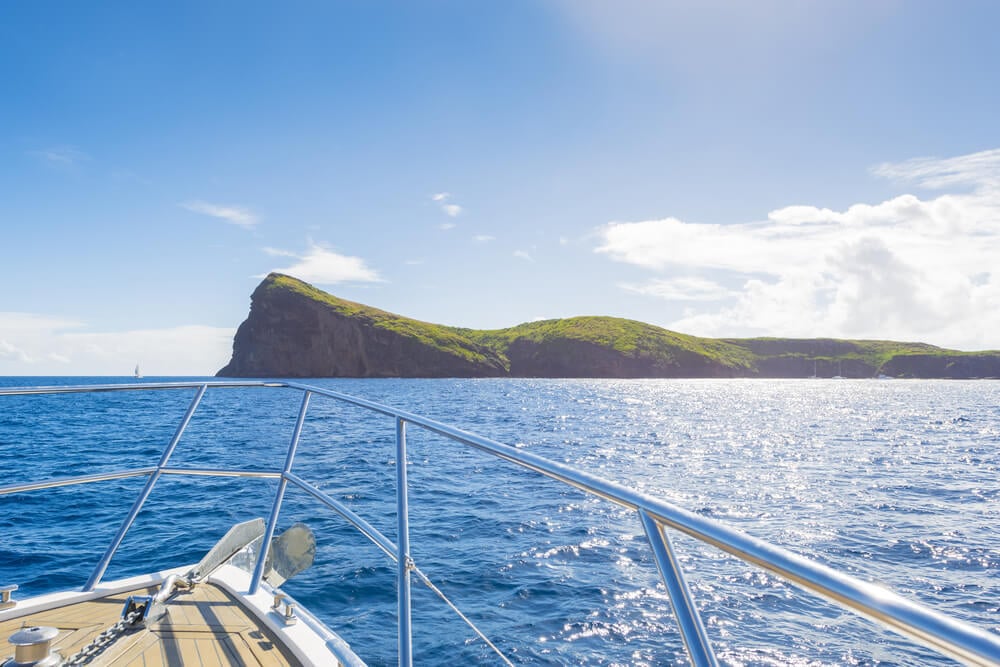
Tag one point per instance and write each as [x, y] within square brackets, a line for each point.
[137, 374]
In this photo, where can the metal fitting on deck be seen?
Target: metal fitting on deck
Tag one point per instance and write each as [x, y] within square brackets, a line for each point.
[5, 601]
[290, 618]
[32, 648]
[289, 614]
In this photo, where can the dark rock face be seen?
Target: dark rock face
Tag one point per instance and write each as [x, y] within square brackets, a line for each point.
[801, 366]
[290, 335]
[788, 367]
[963, 367]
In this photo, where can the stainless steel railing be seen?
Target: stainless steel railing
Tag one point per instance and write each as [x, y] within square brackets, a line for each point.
[957, 639]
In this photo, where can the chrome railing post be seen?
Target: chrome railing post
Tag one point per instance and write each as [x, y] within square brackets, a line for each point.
[272, 520]
[692, 630]
[403, 561]
[102, 566]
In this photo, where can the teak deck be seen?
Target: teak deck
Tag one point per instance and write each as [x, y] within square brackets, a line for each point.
[204, 626]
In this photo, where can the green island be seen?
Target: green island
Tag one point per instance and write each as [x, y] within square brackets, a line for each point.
[297, 330]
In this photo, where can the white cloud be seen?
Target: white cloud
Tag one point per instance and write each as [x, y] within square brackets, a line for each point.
[451, 210]
[234, 215]
[521, 254]
[483, 238]
[445, 226]
[326, 267]
[40, 345]
[907, 268]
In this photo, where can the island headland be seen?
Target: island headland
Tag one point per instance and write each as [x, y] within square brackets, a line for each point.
[297, 330]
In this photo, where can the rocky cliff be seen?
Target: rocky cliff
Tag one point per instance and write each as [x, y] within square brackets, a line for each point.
[296, 330]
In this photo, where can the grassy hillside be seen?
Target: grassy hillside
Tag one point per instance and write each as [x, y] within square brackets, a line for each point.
[615, 347]
[871, 352]
[626, 337]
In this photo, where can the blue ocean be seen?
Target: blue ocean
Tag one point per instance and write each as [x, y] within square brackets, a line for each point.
[892, 481]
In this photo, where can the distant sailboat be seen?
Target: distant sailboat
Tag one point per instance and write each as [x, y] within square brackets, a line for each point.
[838, 376]
[137, 373]
[813, 376]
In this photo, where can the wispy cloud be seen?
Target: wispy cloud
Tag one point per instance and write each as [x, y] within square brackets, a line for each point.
[21, 324]
[326, 267]
[681, 289]
[9, 351]
[445, 226]
[521, 254]
[278, 252]
[442, 199]
[906, 268]
[980, 170]
[60, 156]
[234, 215]
[483, 238]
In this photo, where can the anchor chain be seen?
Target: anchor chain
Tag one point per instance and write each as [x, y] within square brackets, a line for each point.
[104, 640]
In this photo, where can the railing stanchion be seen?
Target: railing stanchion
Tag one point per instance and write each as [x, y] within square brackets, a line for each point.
[403, 563]
[102, 566]
[692, 630]
[272, 520]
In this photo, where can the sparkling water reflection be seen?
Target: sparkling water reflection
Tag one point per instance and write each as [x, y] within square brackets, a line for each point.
[894, 482]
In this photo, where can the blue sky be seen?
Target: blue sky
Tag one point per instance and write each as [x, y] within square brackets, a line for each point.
[723, 169]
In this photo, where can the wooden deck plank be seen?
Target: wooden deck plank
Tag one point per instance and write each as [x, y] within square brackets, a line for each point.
[143, 649]
[187, 648]
[204, 626]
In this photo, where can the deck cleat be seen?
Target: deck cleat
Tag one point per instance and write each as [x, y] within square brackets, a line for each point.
[5, 601]
[290, 617]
